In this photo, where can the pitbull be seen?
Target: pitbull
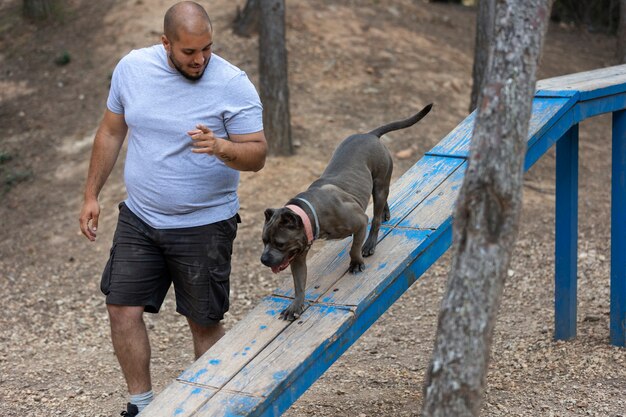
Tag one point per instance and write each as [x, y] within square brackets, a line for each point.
[333, 207]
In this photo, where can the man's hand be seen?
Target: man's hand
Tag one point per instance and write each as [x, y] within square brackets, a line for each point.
[89, 218]
[204, 141]
[243, 152]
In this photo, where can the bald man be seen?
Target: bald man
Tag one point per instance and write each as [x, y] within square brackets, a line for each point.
[193, 122]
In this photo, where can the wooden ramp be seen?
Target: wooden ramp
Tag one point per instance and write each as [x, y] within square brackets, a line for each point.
[262, 365]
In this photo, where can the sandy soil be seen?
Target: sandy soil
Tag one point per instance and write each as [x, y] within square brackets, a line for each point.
[353, 66]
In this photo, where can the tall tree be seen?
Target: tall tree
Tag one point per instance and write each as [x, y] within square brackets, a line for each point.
[485, 20]
[274, 89]
[487, 214]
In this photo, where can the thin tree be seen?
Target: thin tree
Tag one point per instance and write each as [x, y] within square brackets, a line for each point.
[274, 87]
[485, 20]
[487, 214]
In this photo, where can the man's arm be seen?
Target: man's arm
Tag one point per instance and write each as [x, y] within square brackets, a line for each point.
[242, 152]
[106, 148]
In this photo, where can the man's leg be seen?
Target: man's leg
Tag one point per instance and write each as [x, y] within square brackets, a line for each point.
[204, 336]
[132, 346]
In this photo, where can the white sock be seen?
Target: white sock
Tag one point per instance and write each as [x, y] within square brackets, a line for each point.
[142, 400]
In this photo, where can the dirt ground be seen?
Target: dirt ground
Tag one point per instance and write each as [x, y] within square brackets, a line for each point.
[353, 66]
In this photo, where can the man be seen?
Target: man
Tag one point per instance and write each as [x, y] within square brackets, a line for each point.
[193, 121]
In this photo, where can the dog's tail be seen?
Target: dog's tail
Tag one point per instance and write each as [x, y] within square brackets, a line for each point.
[402, 124]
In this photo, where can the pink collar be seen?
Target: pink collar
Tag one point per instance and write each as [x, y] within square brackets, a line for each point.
[308, 229]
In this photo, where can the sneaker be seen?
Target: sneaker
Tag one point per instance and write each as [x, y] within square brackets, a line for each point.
[131, 411]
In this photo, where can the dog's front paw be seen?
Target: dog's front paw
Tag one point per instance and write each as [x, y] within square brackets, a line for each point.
[293, 312]
[356, 267]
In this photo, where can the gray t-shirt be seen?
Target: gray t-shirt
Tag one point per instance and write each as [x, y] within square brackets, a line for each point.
[168, 185]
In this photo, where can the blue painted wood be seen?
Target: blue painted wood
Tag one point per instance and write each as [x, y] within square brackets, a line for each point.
[618, 231]
[540, 145]
[555, 93]
[601, 82]
[546, 111]
[566, 235]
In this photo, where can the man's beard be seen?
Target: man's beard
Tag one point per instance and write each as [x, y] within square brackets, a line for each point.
[185, 74]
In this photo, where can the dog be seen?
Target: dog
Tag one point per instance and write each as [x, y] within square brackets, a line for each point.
[333, 207]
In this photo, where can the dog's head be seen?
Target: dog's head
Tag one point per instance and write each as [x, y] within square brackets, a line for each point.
[284, 238]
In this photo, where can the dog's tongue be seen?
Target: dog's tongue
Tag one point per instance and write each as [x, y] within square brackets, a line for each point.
[283, 265]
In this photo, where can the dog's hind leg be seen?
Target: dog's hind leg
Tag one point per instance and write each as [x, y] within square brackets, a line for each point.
[380, 193]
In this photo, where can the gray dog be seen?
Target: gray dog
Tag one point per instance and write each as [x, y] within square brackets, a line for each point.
[333, 207]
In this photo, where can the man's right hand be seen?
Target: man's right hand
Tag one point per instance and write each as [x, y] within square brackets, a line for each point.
[89, 218]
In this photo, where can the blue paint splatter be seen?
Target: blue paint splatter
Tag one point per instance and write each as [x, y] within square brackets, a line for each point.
[197, 375]
[271, 312]
[247, 348]
[215, 361]
[178, 411]
[279, 376]
[196, 391]
[263, 327]
[382, 266]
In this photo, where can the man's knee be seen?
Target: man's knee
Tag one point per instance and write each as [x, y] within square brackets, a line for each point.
[205, 329]
[124, 316]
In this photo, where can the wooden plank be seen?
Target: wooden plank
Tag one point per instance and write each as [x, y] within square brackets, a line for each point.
[439, 206]
[590, 84]
[545, 112]
[178, 400]
[230, 404]
[393, 254]
[418, 183]
[456, 143]
[239, 346]
[297, 348]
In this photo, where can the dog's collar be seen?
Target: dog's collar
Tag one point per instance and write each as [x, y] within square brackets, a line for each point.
[311, 234]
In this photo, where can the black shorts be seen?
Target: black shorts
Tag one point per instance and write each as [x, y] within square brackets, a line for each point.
[144, 262]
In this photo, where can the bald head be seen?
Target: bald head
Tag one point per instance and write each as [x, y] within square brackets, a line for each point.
[187, 16]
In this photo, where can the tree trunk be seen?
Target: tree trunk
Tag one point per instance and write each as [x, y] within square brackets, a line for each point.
[274, 89]
[487, 214]
[39, 9]
[485, 20]
[247, 21]
[621, 34]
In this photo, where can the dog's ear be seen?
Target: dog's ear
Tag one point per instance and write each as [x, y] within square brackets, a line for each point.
[269, 213]
[291, 220]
